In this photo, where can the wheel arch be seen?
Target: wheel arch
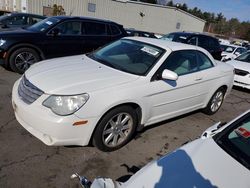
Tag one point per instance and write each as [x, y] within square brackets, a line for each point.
[224, 87]
[25, 45]
[134, 105]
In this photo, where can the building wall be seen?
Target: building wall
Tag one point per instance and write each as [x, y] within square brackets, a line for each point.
[130, 14]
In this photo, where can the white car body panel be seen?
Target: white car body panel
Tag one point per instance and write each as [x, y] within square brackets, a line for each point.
[239, 80]
[200, 163]
[190, 166]
[108, 88]
[88, 74]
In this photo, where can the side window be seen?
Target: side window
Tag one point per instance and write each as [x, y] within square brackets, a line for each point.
[69, 28]
[94, 28]
[193, 41]
[32, 20]
[203, 61]
[203, 42]
[17, 20]
[240, 50]
[181, 62]
[114, 30]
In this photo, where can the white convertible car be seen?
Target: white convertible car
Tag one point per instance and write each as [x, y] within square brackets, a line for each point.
[105, 96]
[220, 158]
[242, 70]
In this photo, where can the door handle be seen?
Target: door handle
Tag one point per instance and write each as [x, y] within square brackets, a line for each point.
[198, 79]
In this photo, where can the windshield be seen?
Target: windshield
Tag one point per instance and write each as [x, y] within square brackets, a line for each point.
[228, 49]
[244, 57]
[44, 24]
[235, 140]
[129, 56]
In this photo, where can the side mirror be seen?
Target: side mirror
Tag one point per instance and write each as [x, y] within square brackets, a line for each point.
[237, 53]
[55, 31]
[84, 182]
[169, 75]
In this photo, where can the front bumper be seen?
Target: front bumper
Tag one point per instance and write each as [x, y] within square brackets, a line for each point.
[48, 127]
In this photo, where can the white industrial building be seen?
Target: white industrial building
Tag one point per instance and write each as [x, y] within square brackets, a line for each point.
[131, 14]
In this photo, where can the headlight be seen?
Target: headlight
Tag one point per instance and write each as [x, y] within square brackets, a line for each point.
[2, 42]
[66, 105]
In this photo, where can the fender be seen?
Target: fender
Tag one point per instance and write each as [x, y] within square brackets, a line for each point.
[16, 46]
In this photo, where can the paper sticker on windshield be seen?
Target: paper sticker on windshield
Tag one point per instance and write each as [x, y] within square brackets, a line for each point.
[243, 132]
[150, 51]
[49, 23]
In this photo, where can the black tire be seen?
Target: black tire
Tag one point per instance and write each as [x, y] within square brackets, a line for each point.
[116, 131]
[21, 59]
[215, 102]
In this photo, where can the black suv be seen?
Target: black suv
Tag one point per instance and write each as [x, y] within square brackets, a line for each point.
[16, 20]
[54, 37]
[132, 32]
[211, 44]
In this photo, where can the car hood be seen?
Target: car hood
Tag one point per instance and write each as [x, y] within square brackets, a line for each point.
[240, 65]
[74, 75]
[201, 163]
[16, 32]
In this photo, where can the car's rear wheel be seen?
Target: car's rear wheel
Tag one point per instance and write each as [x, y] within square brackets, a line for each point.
[115, 129]
[215, 102]
[21, 59]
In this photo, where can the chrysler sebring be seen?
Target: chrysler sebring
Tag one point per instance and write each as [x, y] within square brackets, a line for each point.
[105, 96]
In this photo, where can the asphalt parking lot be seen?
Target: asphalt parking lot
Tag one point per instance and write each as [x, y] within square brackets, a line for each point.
[27, 162]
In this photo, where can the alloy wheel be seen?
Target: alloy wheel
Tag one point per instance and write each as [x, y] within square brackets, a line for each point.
[117, 129]
[24, 60]
[217, 101]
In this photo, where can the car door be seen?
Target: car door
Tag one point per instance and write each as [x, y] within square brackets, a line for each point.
[96, 35]
[206, 75]
[172, 98]
[65, 39]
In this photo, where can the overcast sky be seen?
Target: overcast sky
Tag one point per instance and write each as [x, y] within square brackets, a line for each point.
[229, 8]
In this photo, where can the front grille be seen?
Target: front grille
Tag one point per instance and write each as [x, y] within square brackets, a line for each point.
[241, 72]
[28, 92]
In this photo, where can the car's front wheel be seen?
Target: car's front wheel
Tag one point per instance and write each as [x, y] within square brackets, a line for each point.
[21, 59]
[115, 129]
[215, 102]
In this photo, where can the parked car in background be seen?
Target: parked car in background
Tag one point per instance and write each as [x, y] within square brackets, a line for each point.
[105, 96]
[55, 37]
[3, 12]
[211, 44]
[221, 152]
[137, 33]
[18, 20]
[247, 47]
[224, 41]
[231, 51]
[242, 70]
